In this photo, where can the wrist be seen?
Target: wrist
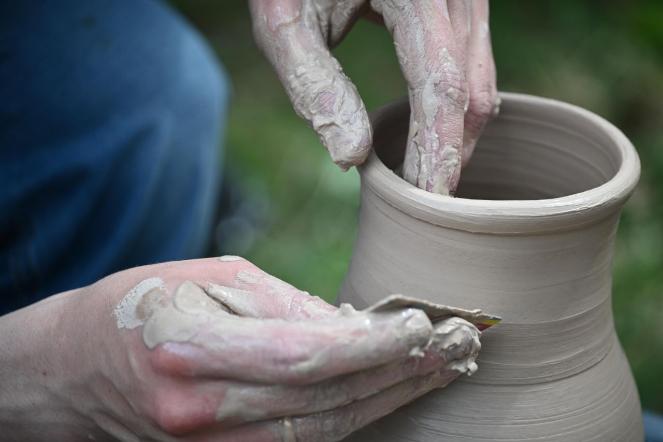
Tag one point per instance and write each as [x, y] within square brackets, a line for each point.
[33, 372]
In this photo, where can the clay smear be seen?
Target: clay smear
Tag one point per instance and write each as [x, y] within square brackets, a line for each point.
[236, 301]
[437, 94]
[230, 258]
[257, 281]
[454, 338]
[222, 319]
[204, 316]
[127, 313]
[318, 89]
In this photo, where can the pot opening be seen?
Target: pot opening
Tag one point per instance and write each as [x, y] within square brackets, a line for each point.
[524, 154]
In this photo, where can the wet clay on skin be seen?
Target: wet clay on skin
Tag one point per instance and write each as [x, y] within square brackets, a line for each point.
[444, 52]
[427, 164]
[216, 318]
[179, 318]
[529, 237]
[450, 338]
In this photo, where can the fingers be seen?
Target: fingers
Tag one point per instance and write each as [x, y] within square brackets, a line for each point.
[334, 425]
[460, 16]
[250, 402]
[223, 404]
[431, 61]
[290, 35]
[276, 351]
[240, 286]
[454, 346]
[255, 293]
[484, 102]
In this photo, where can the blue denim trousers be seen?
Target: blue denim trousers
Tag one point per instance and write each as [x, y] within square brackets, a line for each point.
[111, 113]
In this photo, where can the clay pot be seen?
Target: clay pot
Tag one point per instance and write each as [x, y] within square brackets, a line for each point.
[529, 237]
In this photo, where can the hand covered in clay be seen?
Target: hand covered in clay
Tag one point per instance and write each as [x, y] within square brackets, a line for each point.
[444, 50]
[218, 350]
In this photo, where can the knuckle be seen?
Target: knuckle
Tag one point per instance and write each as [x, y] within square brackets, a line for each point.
[245, 273]
[162, 361]
[249, 267]
[299, 364]
[270, 18]
[454, 91]
[166, 362]
[315, 90]
[419, 322]
[482, 105]
[173, 413]
[297, 369]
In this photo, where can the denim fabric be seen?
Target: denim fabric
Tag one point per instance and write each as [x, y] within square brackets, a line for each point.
[653, 427]
[111, 113]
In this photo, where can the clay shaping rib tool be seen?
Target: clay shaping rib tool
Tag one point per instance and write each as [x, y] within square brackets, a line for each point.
[436, 312]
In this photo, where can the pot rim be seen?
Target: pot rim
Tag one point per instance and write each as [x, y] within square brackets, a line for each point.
[510, 216]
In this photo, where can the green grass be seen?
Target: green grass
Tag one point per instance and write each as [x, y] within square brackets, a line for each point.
[604, 56]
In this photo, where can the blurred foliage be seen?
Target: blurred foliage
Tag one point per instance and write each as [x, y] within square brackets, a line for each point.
[605, 56]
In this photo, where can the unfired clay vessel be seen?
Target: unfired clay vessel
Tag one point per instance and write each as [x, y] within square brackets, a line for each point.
[529, 237]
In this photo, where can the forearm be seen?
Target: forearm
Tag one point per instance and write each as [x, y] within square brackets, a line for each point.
[31, 373]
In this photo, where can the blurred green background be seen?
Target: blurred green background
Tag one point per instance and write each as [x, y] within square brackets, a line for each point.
[605, 56]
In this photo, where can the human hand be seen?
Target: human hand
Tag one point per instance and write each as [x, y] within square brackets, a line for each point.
[215, 349]
[444, 50]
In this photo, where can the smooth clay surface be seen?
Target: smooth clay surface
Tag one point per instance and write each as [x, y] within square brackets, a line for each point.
[529, 238]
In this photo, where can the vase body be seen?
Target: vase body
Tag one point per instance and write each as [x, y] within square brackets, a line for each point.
[529, 237]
